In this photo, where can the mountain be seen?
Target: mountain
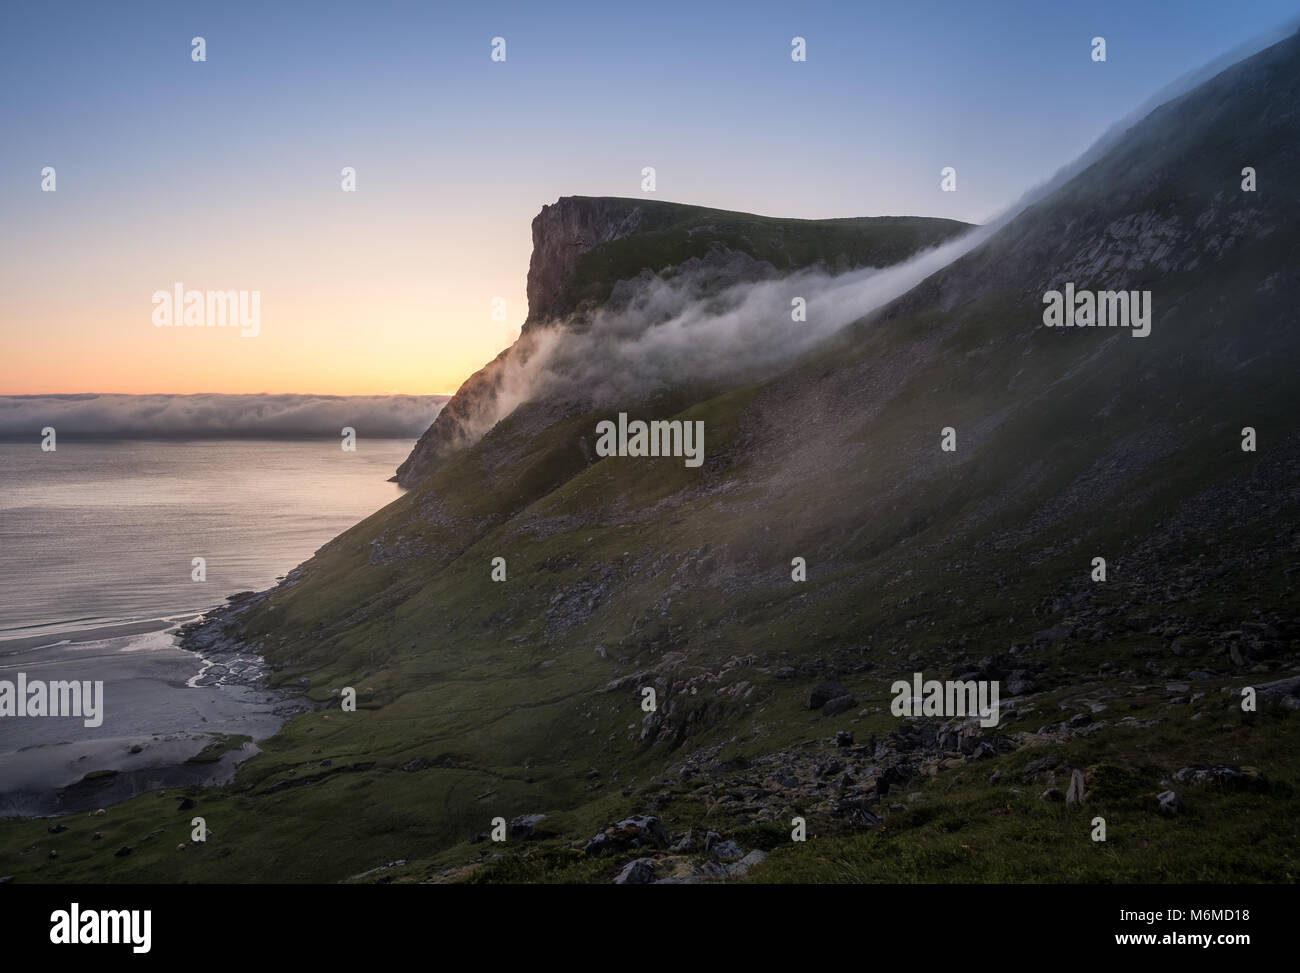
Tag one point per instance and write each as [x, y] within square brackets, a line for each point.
[482, 699]
[586, 249]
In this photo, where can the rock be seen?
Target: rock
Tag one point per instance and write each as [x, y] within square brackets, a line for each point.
[1077, 792]
[521, 828]
[844, 739]
[1020, 682]
[123, 851]
[1052, 794]
[713, 869]
[57, 828]
[727, 851]
[639, 872]
[785, 672]
[633, 832]
[839, 704]
[1169, 803]
[1283, 691]
[685, 843]
[824, 693]
[739, 869]
[186, 804]
[995, 776]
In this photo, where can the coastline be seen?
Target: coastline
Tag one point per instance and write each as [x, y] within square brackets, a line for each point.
[185, 703]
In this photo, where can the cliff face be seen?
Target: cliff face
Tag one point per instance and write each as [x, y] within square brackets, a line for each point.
[562, 233]
[584, 246]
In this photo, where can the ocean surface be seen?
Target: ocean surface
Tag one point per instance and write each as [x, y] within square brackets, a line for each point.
[100, 533]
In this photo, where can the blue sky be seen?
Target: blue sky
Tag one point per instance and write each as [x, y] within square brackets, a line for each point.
[230, 168]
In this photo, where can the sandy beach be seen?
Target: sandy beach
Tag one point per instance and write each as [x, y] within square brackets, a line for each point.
[162, 706]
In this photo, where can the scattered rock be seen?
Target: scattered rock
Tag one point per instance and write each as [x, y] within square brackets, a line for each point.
[639, 872]
[727, 851]
[739, 869]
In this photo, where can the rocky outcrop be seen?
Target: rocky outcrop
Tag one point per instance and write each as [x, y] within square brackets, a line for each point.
[566, 230]
[562, 233]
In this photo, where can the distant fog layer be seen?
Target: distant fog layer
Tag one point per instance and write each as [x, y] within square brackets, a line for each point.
[212, 416]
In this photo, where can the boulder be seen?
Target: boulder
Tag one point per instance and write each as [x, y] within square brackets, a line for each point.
[824, 692]
[521, 828]
[634, 832]
[727, 851]
[639, 872]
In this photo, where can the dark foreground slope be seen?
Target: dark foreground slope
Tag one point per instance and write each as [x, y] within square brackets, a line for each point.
[482, 699]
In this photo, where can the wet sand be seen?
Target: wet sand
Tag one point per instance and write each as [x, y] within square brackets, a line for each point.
[159, 700]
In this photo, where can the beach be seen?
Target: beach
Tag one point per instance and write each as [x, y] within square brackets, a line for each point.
[163, 707]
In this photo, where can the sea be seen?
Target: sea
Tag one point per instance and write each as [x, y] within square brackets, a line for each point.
[99, 533]
[98, 541]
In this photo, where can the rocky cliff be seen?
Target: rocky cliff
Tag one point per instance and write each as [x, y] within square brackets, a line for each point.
[564, 232]
[584, 247]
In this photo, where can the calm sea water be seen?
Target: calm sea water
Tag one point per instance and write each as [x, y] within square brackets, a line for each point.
[98, 533]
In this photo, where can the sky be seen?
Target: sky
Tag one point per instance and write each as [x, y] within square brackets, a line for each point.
[225, 174]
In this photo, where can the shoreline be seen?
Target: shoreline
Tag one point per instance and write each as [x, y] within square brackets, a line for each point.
[187, 702]
[112, 630]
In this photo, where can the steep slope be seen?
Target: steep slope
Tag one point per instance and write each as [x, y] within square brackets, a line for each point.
[587, 250]
[481, 699]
